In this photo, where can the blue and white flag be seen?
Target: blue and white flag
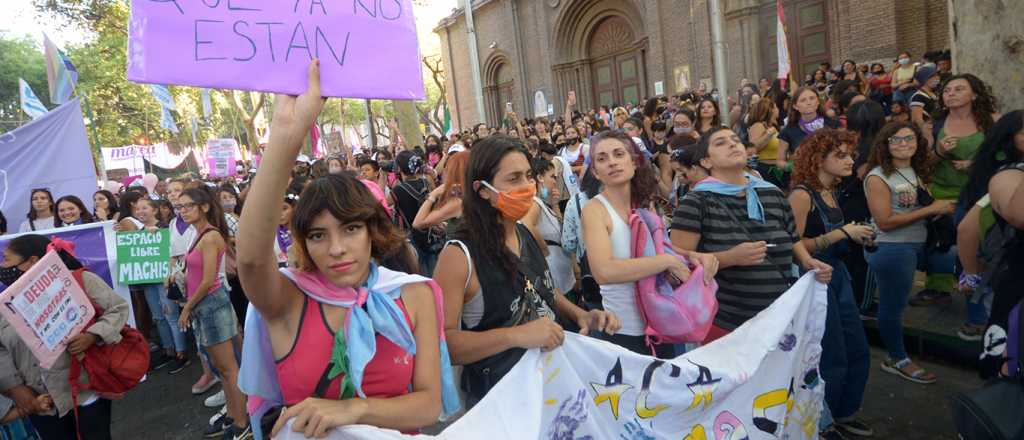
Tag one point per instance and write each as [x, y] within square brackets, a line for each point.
[167, 120]
[207, 106]
[30, 103]
[195, 129]
[163, 96]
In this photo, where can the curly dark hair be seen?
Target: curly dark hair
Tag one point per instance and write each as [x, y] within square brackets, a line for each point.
[644, 184]
[812, 152]
[881, 157]
[982, 108]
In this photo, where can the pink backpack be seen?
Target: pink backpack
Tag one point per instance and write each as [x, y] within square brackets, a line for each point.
[682, 314]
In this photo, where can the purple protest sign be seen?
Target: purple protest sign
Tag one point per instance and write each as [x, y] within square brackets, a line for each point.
[95, 248]
[367, 48]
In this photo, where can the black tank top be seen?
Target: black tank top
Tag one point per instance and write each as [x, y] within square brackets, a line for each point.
[509, 300]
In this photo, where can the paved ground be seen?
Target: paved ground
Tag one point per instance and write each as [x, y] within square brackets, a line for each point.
[164, 408]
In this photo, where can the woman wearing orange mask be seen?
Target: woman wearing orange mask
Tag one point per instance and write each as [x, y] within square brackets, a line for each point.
[499, 295]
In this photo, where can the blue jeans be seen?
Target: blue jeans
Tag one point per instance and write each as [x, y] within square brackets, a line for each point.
[845, 358]
[893, 265]
[165, 316]
[977, 312]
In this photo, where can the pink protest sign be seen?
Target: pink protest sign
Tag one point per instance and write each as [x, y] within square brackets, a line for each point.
[367, 48]
[220, 157]
[47, 308]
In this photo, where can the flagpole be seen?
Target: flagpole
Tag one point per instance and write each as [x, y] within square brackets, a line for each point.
[95, 137]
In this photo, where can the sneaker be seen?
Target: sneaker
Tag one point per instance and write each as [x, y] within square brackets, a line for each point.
[831, 434]
[236, 433]
[204, 384]
[855, 427]
[158, 362]
[930, 297]
[179, 364]
[218, 429]
[971, 332]
[215, 400]
[216, 417]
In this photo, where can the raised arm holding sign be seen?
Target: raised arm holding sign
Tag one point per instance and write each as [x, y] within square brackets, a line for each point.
[368, 47]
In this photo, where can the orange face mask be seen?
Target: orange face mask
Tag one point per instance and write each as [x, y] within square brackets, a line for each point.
[513, 205]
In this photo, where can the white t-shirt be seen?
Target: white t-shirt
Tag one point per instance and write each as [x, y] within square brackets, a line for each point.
[573, 156]
[180, 242]
[39, 223]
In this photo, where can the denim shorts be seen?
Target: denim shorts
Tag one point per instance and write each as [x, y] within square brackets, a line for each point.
[213, 319]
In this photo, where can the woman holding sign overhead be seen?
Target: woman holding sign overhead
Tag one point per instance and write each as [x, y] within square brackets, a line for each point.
[341, 299]
[21, 377]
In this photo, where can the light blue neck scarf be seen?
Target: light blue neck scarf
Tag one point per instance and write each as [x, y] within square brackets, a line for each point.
[755, 210]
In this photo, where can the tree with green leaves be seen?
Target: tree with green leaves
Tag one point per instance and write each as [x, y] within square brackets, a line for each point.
[19, 58]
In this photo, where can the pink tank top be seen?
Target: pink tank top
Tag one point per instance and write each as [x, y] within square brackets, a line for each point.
[194, 267]
[388, 374]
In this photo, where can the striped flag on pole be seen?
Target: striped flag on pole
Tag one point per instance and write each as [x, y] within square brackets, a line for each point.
[207, 106]
[167, 120]
[163, 96]
[785, 67]
[30, 103]
[60, 73]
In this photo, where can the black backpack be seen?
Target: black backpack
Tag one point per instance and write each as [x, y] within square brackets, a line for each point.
[994, 411]
[590, 291]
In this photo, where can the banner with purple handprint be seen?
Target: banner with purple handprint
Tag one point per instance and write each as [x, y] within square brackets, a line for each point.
[760, 381]
[95, 247]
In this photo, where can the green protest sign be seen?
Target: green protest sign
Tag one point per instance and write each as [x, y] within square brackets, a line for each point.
[143, 257]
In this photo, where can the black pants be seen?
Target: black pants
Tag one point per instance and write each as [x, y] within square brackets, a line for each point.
[93, 423]
[637, 344]
[238, 300]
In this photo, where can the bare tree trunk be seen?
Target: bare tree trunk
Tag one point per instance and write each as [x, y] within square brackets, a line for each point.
[247, 116]
[988, 41]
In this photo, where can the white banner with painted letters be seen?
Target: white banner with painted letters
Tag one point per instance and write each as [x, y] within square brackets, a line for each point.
[759, 382]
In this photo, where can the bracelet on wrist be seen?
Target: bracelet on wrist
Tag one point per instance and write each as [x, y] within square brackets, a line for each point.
[847, 234]
[970, 280]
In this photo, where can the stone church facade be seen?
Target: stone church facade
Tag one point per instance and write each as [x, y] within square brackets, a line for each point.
[533, 52]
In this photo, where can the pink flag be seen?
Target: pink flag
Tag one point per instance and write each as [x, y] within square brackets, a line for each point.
[314, 137]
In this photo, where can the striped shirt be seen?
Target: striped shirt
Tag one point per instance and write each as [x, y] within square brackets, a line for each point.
[743, 291]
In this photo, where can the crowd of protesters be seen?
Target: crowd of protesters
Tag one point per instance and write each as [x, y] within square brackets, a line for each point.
[864, 175]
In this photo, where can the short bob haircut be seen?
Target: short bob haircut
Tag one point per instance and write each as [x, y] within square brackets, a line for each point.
[349, 201]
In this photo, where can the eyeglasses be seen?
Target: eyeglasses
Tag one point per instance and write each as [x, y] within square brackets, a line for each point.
[894, 140]
[185, 206]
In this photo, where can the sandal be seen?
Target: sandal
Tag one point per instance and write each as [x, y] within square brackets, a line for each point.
[909, 371]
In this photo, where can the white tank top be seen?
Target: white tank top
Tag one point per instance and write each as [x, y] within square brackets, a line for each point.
[620, 299]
